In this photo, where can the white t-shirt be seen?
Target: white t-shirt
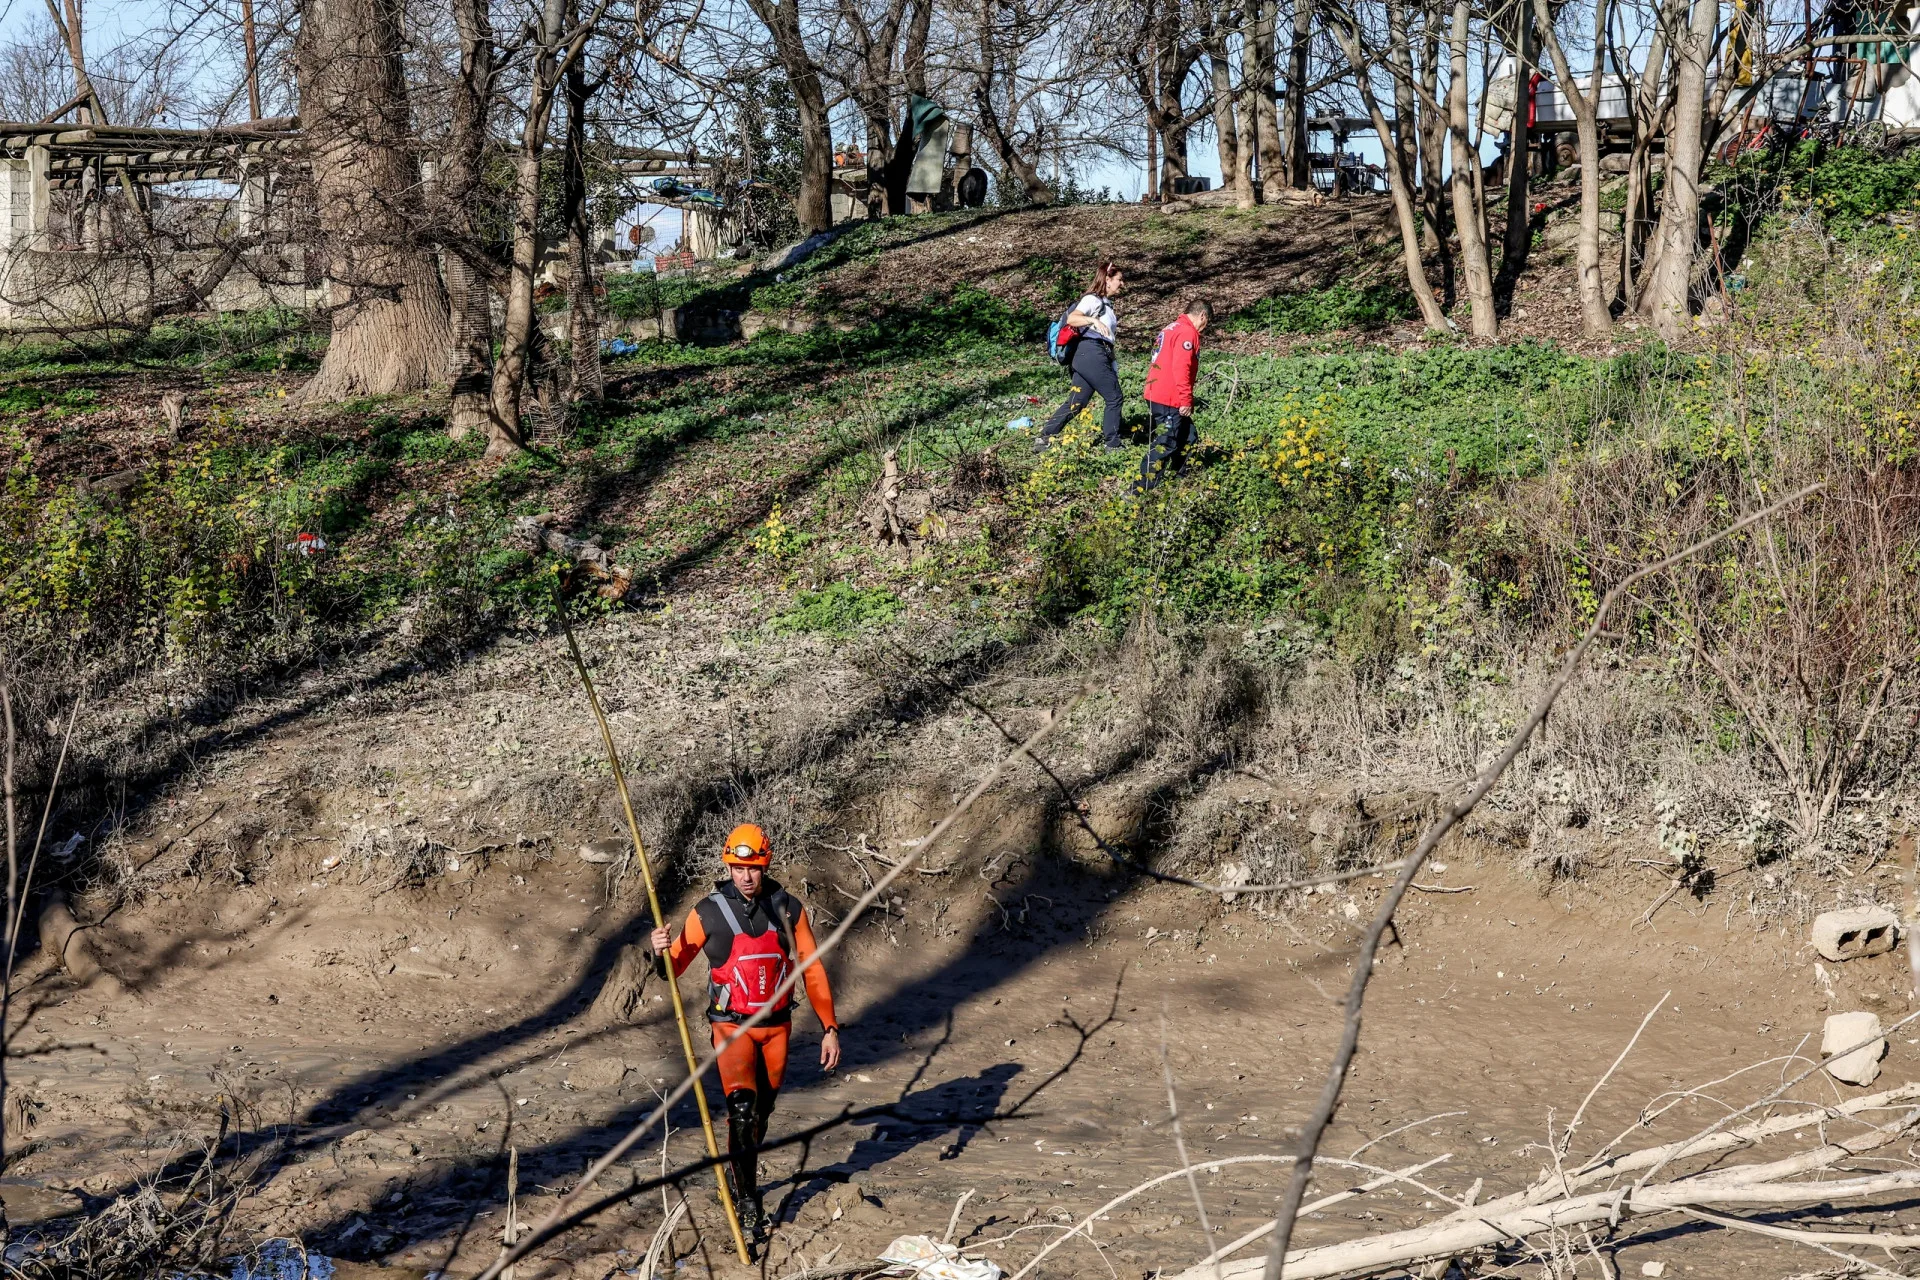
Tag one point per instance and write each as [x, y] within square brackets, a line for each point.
[1098, 310]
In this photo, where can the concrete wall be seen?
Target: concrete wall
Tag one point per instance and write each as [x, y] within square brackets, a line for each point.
[44, 289]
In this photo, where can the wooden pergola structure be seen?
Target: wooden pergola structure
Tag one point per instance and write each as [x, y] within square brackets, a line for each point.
[37, 159]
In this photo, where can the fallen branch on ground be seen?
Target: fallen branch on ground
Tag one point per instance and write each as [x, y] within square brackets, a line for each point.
[538, 533]
[1384, 1176]
[1890, 1243]
[1546, 1208]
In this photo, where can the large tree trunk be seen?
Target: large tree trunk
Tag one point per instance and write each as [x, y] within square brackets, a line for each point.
[1174, 66]
[389, 316]
[583, 277]
[1519, 231]
[516, 335]
[1261, 66]
[1153, 163]
[1469, 215]
[814, 205]
[880, 157]
[873, 49]
[1634, 223]
[914, 68]
[1226, 141]
[1406, 129]
[1246, 119]
[516, 330]
[467, 271]
[913, 61]
[1299, 164]
[1596, 317]
[1670, 280]
[1397, 184]
[1433, 148]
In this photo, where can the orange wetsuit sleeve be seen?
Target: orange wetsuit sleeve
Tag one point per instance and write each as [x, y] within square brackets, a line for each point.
[685, 947]
[819, 993]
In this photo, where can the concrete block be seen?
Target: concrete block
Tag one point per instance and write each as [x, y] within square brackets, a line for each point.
[1855, 932]
[1843, 1031]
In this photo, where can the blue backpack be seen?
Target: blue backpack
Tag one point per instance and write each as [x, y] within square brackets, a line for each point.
[1061, 340]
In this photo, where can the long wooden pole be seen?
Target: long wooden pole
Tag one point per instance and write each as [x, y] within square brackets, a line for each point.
[660, 922]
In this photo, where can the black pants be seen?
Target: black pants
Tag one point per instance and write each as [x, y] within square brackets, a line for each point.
[1172, 433]
[747, 1114]
[1092, 371]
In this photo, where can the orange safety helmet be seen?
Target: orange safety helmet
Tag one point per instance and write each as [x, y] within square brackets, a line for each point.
[747, 847]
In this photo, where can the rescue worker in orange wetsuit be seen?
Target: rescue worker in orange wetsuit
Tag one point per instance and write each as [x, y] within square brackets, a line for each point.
[754, 934]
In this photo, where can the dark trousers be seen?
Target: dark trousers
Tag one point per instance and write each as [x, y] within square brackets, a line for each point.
[1092, 371]
[1172, 433]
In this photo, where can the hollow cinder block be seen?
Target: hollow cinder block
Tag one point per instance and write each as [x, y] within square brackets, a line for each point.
[1855, 932]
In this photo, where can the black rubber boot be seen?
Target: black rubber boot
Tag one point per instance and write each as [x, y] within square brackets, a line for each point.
[745, 1127]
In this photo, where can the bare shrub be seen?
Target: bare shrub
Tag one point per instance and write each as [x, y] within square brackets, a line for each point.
[171, 1228]
[1794, 640]
[978, 473]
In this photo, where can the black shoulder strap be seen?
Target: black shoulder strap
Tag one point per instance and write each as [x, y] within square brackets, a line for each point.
[784, 910]
[726, 913]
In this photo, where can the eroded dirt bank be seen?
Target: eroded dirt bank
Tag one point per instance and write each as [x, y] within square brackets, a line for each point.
[369, 935]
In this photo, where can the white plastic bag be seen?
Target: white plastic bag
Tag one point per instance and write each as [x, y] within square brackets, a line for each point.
[928, 1259]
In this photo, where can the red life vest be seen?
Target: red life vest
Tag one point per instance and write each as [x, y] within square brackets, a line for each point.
[756, 964]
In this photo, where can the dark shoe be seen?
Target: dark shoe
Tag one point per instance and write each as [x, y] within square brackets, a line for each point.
[753, 1217]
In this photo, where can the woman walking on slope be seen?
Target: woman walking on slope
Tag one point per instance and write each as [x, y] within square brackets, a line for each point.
[1093, 317]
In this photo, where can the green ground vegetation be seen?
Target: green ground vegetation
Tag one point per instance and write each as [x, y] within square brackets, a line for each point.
[1339, 306]
[1379, 497]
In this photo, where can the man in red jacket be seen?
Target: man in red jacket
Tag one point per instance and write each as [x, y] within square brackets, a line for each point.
[1176, 359]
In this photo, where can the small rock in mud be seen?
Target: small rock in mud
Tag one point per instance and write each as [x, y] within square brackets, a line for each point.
[597, 1073]
[375, 1147]
[845, 1197]
[1843, 1032]
[603, 852]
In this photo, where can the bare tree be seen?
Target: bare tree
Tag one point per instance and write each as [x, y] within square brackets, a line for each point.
[1215, 33]
[583, 307]
[1294, 124]
[1596, 318]
[1433, 146]
[1261, 69]
[889, 55]
[1518, 239]
[1346, 32]
[815, 200]
[1154, 49]
[557, 43]
[1005, 33]
[1469, 216]
[67, 24]
[1670, 277]
[468, 264]
[1649, 110]
[389, 315]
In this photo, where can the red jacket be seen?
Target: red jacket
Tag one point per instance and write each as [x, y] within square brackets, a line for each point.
[1176, 359]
